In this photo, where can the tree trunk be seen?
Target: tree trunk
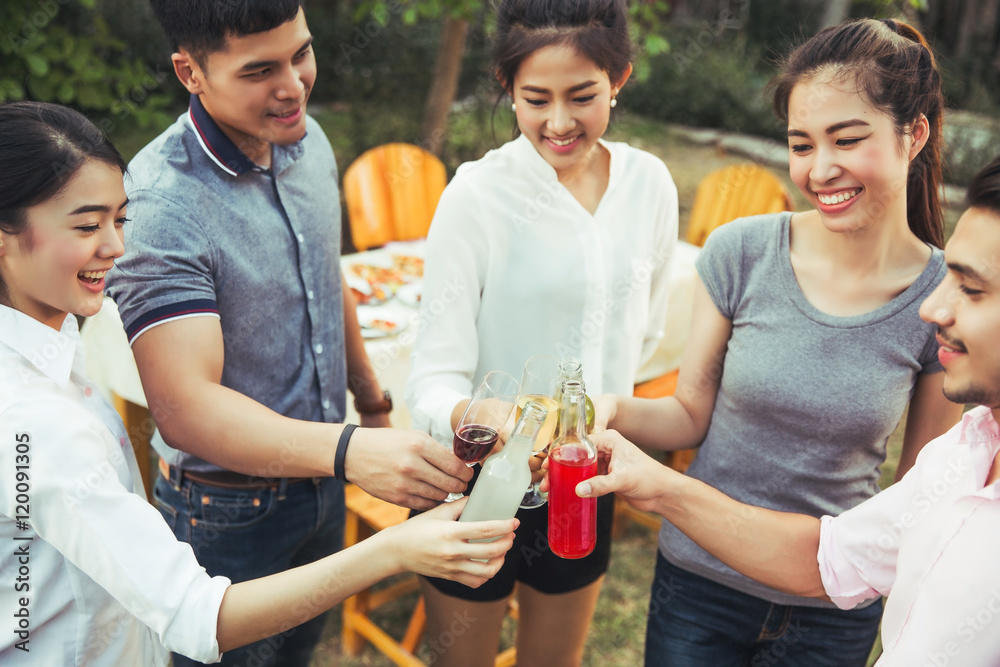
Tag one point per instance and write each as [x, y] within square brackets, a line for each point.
[965, 43]
[444, 85]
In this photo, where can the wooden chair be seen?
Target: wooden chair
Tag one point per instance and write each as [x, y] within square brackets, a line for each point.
[391, 193]
[733, 192]
[367, 515]
[139, 426]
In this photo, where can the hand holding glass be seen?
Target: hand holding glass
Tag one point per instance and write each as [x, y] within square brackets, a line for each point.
[539, 382]
[488, 410]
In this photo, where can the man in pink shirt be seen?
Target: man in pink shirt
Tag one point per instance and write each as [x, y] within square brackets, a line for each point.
[929, 542]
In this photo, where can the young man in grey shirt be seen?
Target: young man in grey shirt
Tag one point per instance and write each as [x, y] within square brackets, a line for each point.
[245, 336]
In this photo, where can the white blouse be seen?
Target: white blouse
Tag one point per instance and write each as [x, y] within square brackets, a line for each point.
[87, 563]
[515, 266]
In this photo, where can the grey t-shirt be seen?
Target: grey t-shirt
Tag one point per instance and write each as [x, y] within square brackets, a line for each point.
[807, 400]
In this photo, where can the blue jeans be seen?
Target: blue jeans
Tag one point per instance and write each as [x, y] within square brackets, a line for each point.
[249, 533]
[695, 622]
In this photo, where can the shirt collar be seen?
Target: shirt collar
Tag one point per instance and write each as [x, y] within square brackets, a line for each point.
[217, 146]
[541, 167]
[52, 352]
[224, 153]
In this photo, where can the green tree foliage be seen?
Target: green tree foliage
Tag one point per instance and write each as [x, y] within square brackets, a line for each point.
[62, 51]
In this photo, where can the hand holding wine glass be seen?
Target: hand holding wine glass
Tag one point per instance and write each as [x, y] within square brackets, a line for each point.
[484, 417]
[539, 383]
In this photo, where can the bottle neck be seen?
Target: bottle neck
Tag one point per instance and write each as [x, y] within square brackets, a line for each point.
[526, 430]
[573, 413]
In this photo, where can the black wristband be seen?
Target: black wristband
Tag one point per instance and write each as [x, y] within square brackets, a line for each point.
[338, 460]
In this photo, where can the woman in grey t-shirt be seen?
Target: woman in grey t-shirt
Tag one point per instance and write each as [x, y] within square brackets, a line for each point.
[806, 346]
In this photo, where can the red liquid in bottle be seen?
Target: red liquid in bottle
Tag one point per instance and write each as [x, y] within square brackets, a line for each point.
[473, 442]
[572, 520]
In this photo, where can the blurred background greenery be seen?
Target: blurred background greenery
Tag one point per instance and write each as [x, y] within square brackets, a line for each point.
[402, 70]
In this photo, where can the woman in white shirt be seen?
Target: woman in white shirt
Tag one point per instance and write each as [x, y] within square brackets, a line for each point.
[91, 573]
[558, 242]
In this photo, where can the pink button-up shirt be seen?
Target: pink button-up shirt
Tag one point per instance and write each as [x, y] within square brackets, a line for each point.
[931, 543]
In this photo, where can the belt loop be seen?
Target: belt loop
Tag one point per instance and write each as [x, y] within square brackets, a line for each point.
[282, 488]
[175, 476]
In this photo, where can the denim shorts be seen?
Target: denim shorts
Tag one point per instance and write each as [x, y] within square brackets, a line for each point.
[696, 622]
[249, 533]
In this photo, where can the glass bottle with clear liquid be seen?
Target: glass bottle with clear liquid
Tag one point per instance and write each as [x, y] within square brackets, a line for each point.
[500, 487]
[572, 459]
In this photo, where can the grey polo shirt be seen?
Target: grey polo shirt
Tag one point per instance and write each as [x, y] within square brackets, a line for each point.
[213, 235]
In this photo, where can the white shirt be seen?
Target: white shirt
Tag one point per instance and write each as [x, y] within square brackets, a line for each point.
[515, 266]
[931, 542]
[104, 581]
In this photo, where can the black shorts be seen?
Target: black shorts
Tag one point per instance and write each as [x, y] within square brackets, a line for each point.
[531, 561]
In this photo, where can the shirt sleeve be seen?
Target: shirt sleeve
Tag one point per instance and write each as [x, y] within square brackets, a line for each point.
[660, 282]
[167, 271]
[80, 507]
[446, 349]
[858, 550]
[719, 264]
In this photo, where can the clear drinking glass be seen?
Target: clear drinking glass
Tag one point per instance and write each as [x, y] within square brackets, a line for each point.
[539, 382]
[488, 411]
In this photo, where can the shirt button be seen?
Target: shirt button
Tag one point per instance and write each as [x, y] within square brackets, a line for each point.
[319, 349]
[301, 238]
[326, 403]
[310, 294]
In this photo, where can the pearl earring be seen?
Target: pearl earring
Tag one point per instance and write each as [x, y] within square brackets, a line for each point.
[513, 107]
[614, 102]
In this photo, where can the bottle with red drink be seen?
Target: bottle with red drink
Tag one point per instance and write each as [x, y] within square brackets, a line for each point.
[572, 459]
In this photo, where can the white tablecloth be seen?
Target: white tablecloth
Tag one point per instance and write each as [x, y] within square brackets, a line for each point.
[111, 366]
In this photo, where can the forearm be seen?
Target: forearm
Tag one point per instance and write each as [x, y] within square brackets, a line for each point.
[256, 609]
[660, 423]
[778, 549]
[235, 432]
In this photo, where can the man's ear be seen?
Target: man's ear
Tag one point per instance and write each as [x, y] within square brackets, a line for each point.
[188, 72]
[4, 243]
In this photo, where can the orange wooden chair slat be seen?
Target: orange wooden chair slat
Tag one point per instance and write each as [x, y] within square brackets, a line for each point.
[391, 193]
[732, 192]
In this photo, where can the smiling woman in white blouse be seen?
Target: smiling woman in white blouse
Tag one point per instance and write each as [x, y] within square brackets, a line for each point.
[89, 572]
[559, 243]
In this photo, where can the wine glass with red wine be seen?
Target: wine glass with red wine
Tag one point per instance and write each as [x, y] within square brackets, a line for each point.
[488, 411]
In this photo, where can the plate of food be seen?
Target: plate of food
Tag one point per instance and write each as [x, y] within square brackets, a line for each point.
[377, 324]
[366, 294]
[410, 267]
[410, 293]
[389, 277]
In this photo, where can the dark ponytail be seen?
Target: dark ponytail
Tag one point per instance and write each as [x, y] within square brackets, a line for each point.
[895, 69]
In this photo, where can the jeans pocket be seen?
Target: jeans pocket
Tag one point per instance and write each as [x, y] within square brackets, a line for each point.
[166, 499]
[230, 509]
